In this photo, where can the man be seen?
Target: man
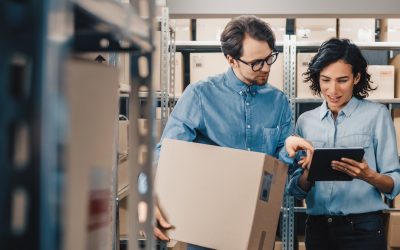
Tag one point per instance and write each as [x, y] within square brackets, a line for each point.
[237, 109]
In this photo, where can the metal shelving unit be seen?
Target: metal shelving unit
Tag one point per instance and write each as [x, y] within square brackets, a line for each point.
[37, 36]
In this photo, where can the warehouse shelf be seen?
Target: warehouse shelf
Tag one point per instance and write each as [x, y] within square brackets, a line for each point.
[108, 25]
[361, 45]
[206, 46]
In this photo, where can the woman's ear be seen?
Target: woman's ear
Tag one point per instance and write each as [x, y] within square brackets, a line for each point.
[357, 79]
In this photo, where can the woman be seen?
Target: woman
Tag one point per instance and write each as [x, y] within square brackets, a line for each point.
[347, 214]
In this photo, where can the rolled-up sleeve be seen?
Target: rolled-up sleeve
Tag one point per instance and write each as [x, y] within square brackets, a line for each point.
[386, 150]
[293, 187]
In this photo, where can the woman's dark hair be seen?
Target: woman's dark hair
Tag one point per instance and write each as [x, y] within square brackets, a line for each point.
[237, 28]
[332, 51]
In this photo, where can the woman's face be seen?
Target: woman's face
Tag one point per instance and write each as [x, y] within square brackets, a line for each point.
[337, 82]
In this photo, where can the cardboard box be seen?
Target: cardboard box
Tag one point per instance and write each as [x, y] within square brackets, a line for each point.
[201, 188]
[278, 26]
[183, 29]
[390, 30]
[302, 89]
[278, 245]
[123, 217]
[382, 77]
[315, 29]
[357, 29]
[393, 226]
[396, 201]
[396, 63]
[276, 75]
[91, 150]
[210, 29]
[203, 65]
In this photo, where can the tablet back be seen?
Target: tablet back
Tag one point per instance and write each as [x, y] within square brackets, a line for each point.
[321, 170]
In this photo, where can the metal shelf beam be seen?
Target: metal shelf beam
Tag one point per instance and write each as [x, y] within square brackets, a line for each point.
[285, 8]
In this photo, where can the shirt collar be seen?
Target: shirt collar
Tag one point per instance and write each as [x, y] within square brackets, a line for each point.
[347, 110]
[239, 86]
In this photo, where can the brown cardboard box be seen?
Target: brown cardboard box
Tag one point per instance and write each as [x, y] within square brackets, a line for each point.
[123, 217]
[203, 65]
[176, 245]
[396, 122]
[315, 29]
[390, 30]
[357, 29]
[92, 97]
[183, 31]
[278, 26]
[276, 74]
[393, 225]
[302, 88]
[382, 77]
[396, 63]
[396, 202]
[213, 195]
[210, 29]
[278, 245]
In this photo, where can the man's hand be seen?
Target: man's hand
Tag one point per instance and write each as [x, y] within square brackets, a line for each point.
[296, 143]
[162, 225]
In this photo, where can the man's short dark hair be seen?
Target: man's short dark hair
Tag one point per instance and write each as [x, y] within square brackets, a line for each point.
[332, 51]
[237, 28]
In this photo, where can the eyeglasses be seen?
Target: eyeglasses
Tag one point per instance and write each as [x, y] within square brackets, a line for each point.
[259, 64]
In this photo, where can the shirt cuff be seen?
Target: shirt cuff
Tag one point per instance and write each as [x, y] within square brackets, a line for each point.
[396, 186]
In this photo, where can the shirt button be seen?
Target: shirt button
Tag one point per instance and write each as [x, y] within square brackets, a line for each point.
[254, 93]
[248, 126]
[240, 92]
[247, 103]
[248, 149]
[330, 220]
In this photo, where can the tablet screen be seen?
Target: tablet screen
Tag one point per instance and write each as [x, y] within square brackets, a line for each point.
[321, 170]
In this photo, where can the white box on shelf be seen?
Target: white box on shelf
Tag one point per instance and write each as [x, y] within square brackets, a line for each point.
[357, 29]
[315, 29]
[203, 65]
[382, 77]
[210, 29]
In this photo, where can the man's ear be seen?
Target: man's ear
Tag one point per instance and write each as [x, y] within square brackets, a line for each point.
[232, 62]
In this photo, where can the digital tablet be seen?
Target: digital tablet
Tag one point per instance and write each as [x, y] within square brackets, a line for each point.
[321, 169]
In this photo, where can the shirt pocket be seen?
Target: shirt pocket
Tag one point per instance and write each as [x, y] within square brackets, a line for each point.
[356, 140]
[271, 138]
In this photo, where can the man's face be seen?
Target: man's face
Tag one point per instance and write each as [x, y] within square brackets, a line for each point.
[253, 50]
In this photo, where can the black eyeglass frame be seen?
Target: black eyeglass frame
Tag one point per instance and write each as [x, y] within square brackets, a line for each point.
[261, 62]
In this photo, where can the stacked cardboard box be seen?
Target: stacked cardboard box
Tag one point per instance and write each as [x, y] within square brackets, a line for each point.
[315, 29]
[357, 30]
[390, 30]
[393, 230]
[302, 89]
[382, 77]
[278, 26]
[203, 65]
[210, 29]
